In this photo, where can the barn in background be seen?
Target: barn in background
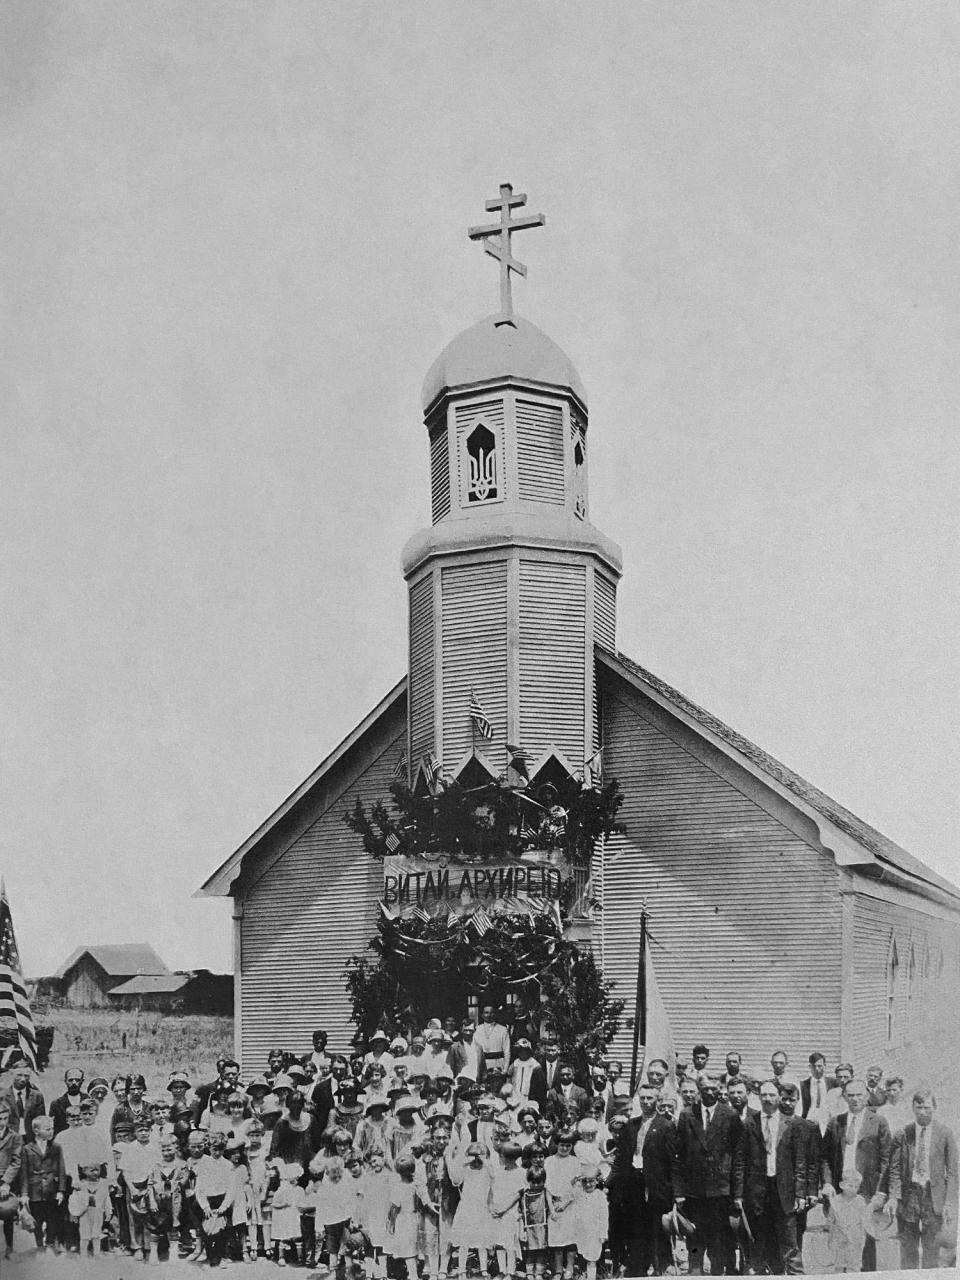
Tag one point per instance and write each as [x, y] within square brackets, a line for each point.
[779, 919]
[89, 974]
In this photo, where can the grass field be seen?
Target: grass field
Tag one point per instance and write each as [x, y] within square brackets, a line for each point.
[105, 1042]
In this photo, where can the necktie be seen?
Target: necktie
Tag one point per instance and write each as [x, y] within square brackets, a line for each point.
[922, 1175]
[20, 1104]
[818, 1095]
[767, 1142]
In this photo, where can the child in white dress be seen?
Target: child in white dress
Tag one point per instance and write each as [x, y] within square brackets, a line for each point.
[508, 1184]
[562, 1170]
[846, 1224]
[592, 1219]
[402, 1217]
[376, 1185]
[473, 1227]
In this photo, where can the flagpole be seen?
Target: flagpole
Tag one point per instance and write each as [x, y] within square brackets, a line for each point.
[640, 1012]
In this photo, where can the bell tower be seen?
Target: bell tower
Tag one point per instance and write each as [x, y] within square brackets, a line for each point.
[511, 586]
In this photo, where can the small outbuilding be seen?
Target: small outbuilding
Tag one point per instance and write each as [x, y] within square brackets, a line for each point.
[88, 974]
[189, 992]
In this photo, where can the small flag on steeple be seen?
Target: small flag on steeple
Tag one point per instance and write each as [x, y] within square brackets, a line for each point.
[518, 760]
[479, 717]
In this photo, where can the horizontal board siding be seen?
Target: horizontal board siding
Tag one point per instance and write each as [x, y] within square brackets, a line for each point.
[421, 670]
[440, 474]
[314, 908]
[605, 613]
[745, 918]
[915, 1005]
[540, 451]
[552, 658]
[474, 653]
[490, 413]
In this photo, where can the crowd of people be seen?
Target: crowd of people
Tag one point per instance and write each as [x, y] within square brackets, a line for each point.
[462, 1144]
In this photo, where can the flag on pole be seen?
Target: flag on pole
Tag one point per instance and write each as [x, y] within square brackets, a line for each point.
[14, 1005]
[400, 768]
[518, 760]
[431, 768]
[479, 717]
[389, 913]
[659, 1038]
[593, 768]
[392, 843]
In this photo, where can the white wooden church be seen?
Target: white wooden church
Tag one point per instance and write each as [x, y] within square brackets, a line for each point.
[781, 919]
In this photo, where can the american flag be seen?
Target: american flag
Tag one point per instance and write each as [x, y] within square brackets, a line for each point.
[481, 922]
[14, 1004]
[479, 717]
[593, 768]
[400, 768]
[392, 843]
[518, 760]
[431, 767]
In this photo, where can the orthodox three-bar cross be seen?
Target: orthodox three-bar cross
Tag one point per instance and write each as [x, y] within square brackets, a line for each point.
[501, 250]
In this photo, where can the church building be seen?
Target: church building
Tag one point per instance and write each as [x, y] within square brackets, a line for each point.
[779, 919]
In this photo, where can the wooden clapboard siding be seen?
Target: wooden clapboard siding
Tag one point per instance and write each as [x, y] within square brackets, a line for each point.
[474, 652]
[540, 451]
[439, 473]
[552, 658]
[605, 613]
[876, 925]
[312, 909]
[421, 669]
[490, 413]
[745, 915]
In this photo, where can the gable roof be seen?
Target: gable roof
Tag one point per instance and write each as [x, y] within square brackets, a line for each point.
[805, 794]
[220, 883]
[151, 984]
[119, 960]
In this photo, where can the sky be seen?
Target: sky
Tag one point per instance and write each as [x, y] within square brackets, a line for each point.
[234, 239]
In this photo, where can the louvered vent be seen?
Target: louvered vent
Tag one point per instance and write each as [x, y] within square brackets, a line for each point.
[540, 451]
[440, 474]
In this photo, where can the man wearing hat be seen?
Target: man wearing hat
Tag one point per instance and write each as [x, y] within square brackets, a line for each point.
[25, 1101]
[526, 1074]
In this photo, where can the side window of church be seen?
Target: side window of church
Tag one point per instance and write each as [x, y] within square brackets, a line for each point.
[482, 482]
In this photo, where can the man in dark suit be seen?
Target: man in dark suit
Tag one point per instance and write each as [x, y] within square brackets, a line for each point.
[923, 1184]
[550, 1059]
[858, 1140]
[708, 1134]
[814, 1090]
[566, 1095]
[810, 1131]
[770, 1184]
[324, 1096]
[73, 1079]
[640, 1189]
[25, 1102]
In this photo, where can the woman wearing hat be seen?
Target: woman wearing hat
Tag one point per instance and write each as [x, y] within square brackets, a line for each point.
[291, 1142]
[345, 1114]
[373, 1130]
[132, 1108]
[408, 1129]
[379, 1052]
